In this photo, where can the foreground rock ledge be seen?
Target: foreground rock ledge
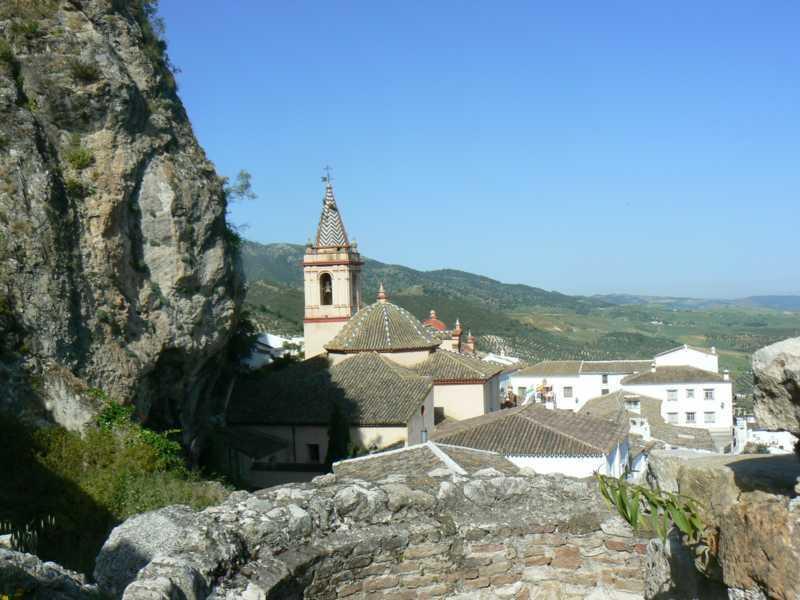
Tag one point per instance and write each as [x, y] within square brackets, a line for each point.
[485, 536]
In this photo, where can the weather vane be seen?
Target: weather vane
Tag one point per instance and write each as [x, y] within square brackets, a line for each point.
[327, 177]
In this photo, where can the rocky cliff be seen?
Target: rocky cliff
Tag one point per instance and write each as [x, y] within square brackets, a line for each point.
[118, 271]
[776, 370]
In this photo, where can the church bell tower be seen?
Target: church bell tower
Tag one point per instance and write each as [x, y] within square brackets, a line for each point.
[331, 271]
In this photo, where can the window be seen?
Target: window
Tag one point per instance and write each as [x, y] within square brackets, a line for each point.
[313, 452]
[424, 436]
[632, 405]
[672, 418]
[709, 417]
[604, 391]
[708, 394]
[605, 378]
[326, 289]
[690, 417]
[689, 393]
[568, 392]
[672, 394]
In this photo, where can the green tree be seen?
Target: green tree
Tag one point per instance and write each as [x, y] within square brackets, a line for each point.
[241, 188]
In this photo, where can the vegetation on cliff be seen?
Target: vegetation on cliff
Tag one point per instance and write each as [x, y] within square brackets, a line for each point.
[63, 492]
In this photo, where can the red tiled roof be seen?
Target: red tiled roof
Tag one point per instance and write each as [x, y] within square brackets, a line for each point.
[434, 322]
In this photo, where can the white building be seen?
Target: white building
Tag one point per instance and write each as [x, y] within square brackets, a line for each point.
[707, 360]
[501, 359]
[686, 379]
[269, 346]
[690, 397]
[568, 384]
[748, 436]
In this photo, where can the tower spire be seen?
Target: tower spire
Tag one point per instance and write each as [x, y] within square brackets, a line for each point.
[382, 295]
[331, 231]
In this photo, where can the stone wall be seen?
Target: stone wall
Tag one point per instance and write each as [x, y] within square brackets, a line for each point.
[485, 536]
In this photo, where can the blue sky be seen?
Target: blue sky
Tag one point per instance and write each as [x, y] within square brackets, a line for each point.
[587, 147]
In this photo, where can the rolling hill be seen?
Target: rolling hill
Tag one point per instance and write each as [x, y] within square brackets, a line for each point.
[774, 302]
[531, 322]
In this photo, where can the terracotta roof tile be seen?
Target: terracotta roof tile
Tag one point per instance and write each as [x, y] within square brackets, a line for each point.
[444, 365]
[615, 366]
[382, 327]
[678, 374]
[552, 368]
[370, 389]
[533, 430]
[613, 407]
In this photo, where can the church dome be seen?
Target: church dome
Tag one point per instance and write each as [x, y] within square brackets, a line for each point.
[382, 327]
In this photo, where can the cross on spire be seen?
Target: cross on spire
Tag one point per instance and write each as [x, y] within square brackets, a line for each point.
[327, 177]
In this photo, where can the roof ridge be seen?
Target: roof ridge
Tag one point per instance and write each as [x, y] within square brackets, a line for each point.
[400, 370]
[465, 362]
[570, 436]
[490, 417]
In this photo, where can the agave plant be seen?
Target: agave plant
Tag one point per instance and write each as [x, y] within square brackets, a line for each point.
[658, 511]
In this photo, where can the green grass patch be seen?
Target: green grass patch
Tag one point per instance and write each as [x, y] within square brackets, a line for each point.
[76, 189]
[27, 29]
[84, 71]
[63, 492]
[78, 156]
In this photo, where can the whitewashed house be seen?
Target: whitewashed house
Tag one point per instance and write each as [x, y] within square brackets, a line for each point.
[568, 384]
[690, 397]
[691, 356]
[548, 441]
[686, 379]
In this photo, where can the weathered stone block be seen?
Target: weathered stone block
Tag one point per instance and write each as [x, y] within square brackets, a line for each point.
[566, 557]
[381, 583]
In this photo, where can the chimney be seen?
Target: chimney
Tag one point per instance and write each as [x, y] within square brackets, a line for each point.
[653, 367]
[726, 375]
[456, 337]
[713, 349]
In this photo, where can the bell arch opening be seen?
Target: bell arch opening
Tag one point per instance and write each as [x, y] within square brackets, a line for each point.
[326, 289]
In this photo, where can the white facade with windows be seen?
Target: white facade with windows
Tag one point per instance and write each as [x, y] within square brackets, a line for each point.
[693, 391]
[706, 404]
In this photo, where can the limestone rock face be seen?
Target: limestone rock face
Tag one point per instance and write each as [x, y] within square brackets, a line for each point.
[776, 372]
[25, 576]
[749, 500]
[114, 253]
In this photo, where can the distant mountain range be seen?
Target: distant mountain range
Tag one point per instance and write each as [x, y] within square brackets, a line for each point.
[485, 306]
[280, 263]
[534, 323]
[775, 302]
